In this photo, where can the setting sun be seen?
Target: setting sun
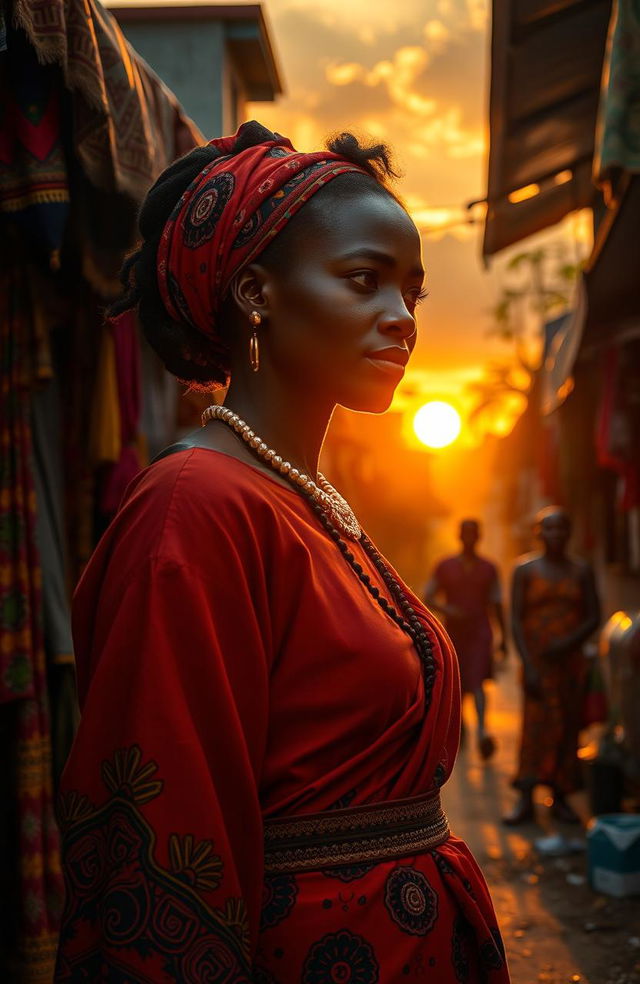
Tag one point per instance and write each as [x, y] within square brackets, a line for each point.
[437, 424]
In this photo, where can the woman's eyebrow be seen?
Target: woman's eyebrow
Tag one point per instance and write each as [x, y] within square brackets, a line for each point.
[379, 256]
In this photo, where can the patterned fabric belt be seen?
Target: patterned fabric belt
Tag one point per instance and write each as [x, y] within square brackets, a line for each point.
[373, 832]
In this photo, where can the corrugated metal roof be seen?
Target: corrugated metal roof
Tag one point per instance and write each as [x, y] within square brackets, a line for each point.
[545, 83]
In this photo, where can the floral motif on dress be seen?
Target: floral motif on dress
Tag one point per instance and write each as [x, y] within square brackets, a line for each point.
[349, 873]
[341, 958]
[195, 862]
[440, 775]
[278, 899]
[145, 912]
[411, 901]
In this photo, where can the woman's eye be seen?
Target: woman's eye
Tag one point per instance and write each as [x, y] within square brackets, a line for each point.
[365, 278]
[414, 297]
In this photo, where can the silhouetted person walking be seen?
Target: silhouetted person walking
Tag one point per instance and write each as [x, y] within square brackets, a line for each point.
[465, 589]
[554, 609]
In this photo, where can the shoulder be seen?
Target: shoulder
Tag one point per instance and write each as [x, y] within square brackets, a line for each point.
[489, 566]
[200, 481]
[193, 502]
[446, 564]
[582, 568]
[526, 565]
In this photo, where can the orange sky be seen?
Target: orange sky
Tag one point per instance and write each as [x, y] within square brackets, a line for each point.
[413, 73]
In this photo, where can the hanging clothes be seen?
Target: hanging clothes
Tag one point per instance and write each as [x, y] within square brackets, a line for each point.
[32, 851]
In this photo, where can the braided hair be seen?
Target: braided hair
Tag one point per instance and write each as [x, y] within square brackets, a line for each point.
[185, 351]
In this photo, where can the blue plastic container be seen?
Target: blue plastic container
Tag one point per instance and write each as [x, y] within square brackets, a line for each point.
[613, 852]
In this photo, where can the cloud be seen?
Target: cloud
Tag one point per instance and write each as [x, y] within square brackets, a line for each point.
[364, 19]
[446, 134]
[438, 221]
[344, 74]
[397, 75]
[436, 34]
[368, 21]
[414, 79]
[478, 13]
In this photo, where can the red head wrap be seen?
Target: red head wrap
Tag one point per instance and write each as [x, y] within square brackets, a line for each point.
[230, 214]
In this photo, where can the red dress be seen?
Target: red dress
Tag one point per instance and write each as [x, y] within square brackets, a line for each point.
[232, 667]
[471, 587]
[550, 726]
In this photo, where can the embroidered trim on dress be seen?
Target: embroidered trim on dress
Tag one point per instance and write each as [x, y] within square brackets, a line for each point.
[373, 832]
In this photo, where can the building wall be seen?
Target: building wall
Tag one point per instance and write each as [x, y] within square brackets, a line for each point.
[233, 98]
[190, 60]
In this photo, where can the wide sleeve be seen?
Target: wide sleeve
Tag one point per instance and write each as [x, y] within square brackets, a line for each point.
[160, 815]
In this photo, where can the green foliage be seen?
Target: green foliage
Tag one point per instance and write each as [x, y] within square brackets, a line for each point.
[539, 284]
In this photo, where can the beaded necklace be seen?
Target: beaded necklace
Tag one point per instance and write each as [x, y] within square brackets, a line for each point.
[337, 517]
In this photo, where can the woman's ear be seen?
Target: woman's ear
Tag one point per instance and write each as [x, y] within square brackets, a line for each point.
[248, 290]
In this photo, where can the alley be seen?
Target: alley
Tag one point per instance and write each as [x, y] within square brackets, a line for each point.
[556, 930]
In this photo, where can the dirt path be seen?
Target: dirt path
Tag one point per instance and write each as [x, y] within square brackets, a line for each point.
[556, 929]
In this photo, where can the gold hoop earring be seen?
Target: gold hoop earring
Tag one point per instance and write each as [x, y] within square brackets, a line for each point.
[254, 346]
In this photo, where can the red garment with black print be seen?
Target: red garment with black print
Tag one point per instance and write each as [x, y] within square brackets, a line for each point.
[232, 667]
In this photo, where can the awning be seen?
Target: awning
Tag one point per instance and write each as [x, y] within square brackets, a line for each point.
[562, 343]
[607, 308]
[546, 67]
[612, 274]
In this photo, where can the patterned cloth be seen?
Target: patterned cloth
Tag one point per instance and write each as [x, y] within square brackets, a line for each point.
[34, 184]
[550, 726]
[127, 125]
[23, 358]
[69, 82]
[232, 668]
[618, 132]
[229, 214]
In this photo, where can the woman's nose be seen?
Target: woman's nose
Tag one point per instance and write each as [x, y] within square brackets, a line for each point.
[398, 320]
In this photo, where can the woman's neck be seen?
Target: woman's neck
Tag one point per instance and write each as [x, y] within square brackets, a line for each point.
[290, 425]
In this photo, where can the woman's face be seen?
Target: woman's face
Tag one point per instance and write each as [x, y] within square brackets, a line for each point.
[340, 316]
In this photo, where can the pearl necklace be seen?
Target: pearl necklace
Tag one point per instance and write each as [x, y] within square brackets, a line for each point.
[336, 516]
[323, 493]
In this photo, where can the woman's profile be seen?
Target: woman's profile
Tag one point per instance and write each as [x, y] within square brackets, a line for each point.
[268, 711]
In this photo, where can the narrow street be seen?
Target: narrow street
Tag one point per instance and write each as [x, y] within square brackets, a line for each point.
[556, 929]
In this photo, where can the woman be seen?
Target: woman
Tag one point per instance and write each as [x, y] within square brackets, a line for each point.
[268, 712]
[555, 608]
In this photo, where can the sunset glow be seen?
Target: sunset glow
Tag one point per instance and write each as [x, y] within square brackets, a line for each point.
[437, 424]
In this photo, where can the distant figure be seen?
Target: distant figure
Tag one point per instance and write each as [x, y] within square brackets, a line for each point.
[469, 586]
[554, 609]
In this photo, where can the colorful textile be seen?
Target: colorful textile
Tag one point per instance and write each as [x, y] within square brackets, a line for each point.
[550, 726]
[471, 587]
[126, 464]
[231, 668]
[127, 125]
[22, 654]
[230, 213]
[34, 188]
[618, 131]
[617, 427]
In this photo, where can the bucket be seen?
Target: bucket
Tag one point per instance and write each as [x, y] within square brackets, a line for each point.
[613, 854]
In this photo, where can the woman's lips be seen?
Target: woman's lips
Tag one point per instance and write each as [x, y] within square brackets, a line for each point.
[391, 360]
